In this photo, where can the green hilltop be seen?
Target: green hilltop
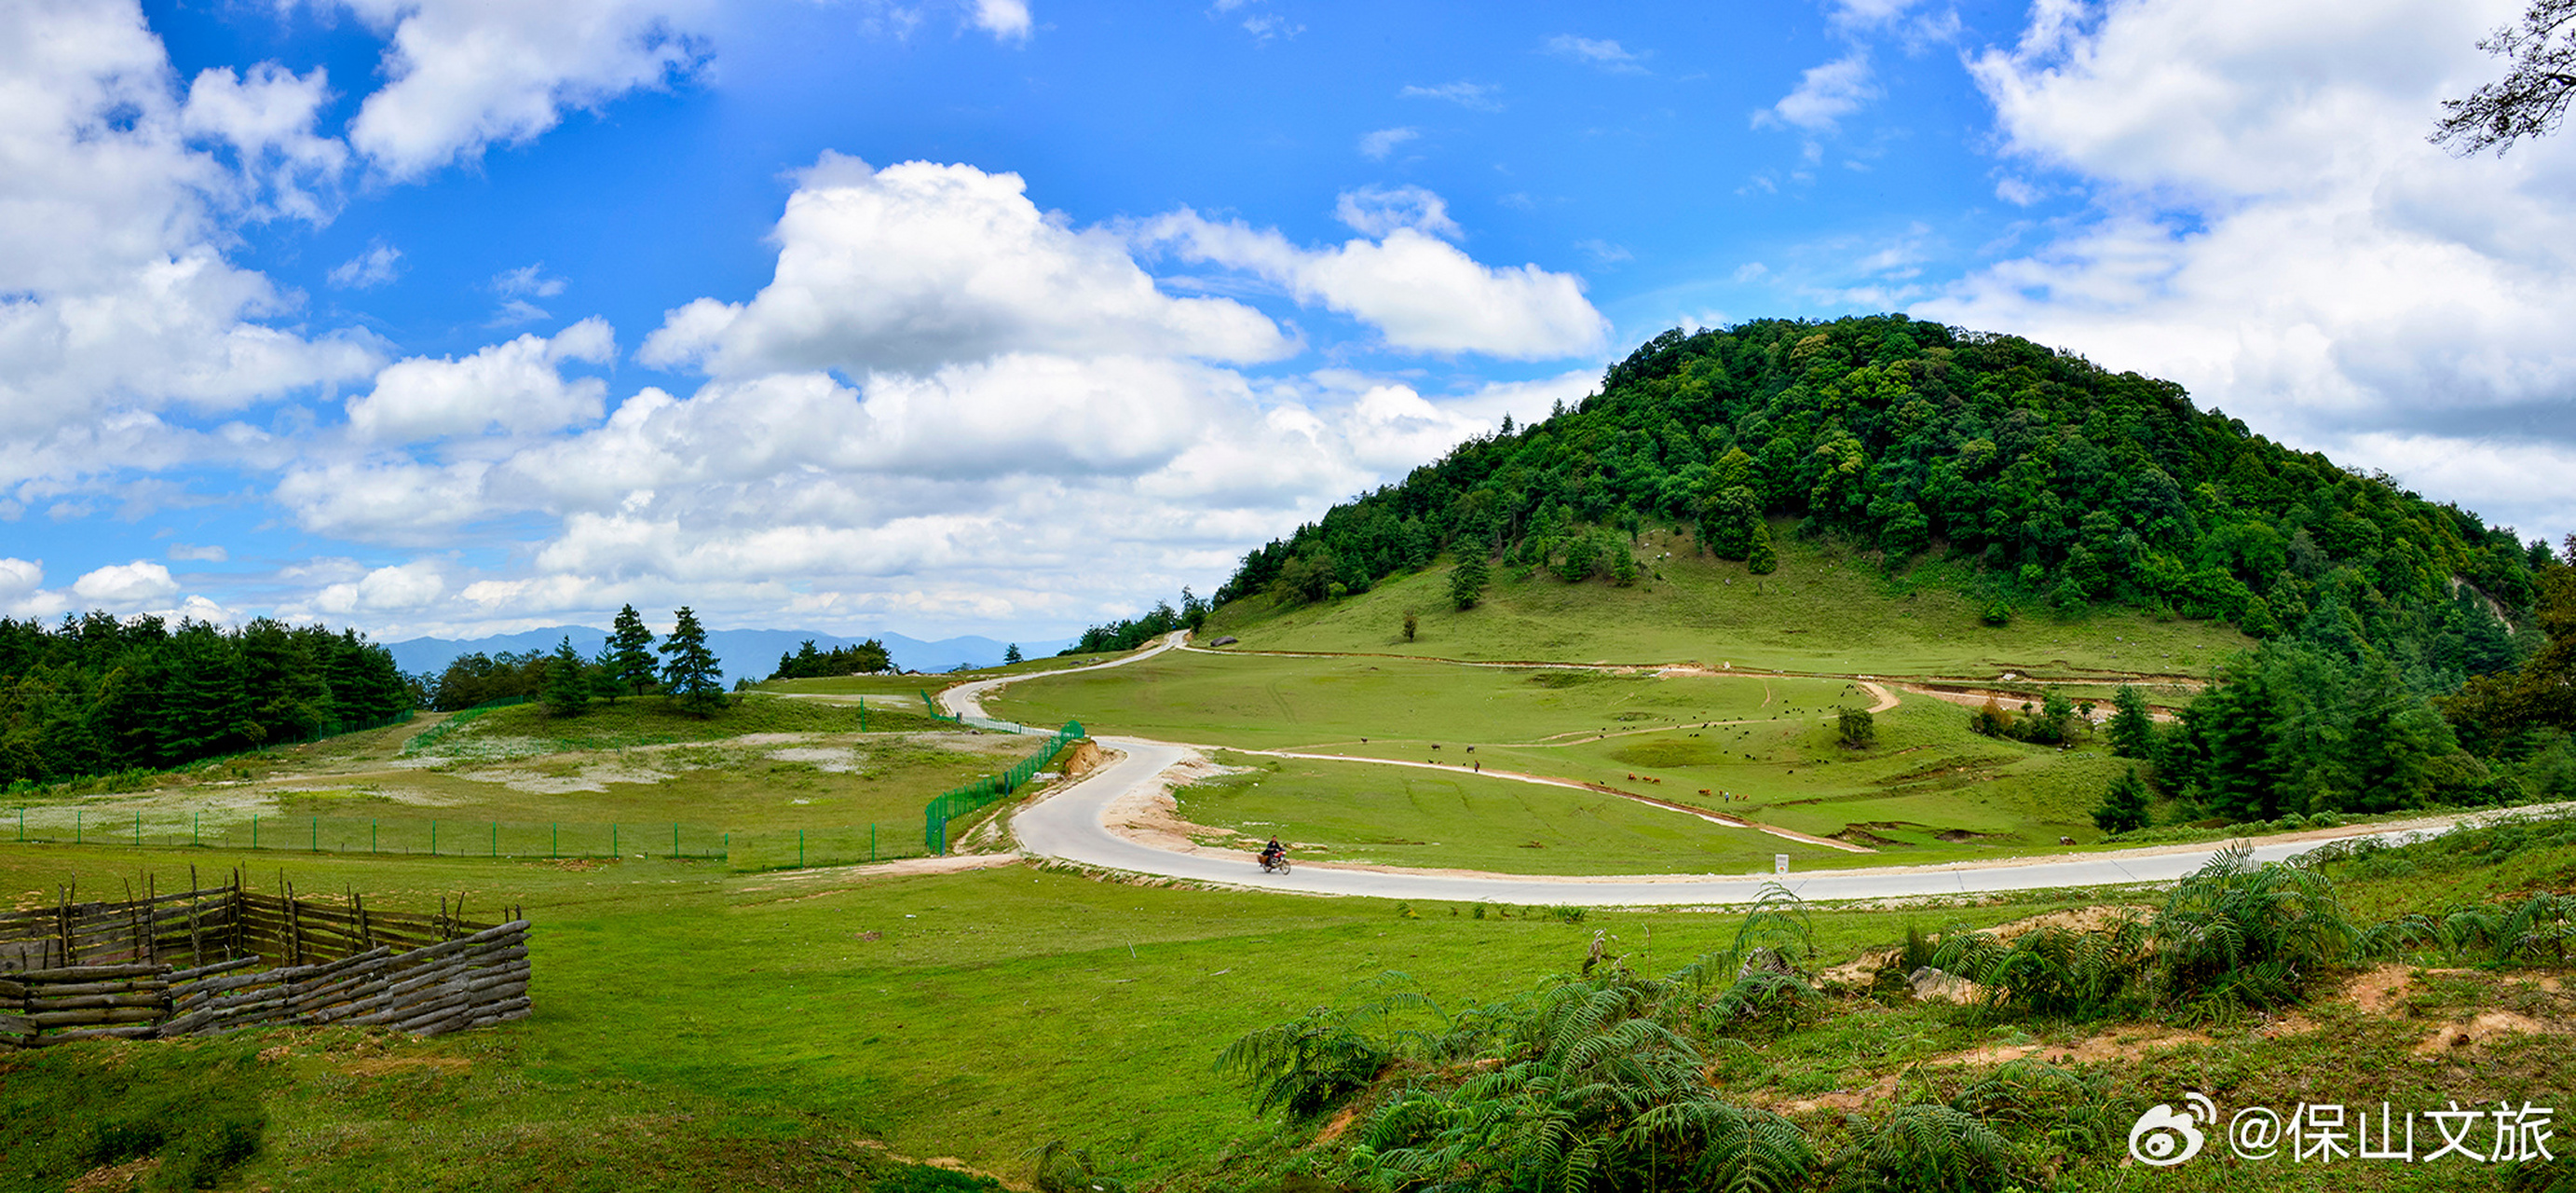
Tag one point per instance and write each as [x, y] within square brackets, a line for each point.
[1885, 497]
[2039, 480]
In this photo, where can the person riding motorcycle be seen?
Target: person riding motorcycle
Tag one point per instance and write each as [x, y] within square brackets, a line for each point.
[1273, 853]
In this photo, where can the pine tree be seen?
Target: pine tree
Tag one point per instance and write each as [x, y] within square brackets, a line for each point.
[691, 672]
[1011, 653]
[1762, 560]
[604, 684]
[2131, 730]
[2124, 808]
[1467, 580]
[630, 651]
[567, 683]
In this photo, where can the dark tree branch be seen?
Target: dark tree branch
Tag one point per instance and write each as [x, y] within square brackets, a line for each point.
[2533, 97]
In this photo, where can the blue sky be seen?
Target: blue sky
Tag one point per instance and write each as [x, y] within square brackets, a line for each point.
[452, 316]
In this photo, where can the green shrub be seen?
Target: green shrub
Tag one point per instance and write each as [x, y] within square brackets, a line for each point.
[2248, 934]
[2053, 971]
[1925, 1148]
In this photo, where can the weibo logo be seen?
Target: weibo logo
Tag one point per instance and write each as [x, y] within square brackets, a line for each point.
[2164, 1137]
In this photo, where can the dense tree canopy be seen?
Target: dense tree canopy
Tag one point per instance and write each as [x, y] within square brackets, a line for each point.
[98, 694]
[2070, 485]
[1137, 631]
[865, 658]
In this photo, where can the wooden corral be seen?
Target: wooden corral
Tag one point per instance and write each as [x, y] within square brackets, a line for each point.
[215, 959]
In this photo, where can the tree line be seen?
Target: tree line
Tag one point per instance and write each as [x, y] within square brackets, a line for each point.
[97, 694]
[2323, 721]
[2062, 484]
[865, 658]
[629, 663]
[1130, 633]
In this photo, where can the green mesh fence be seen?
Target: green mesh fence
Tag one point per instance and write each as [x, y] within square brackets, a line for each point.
[933, 706]
[987, 790]
[438, 837]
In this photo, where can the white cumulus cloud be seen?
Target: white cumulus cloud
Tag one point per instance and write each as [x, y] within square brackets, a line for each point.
[1420, 292]
[919, 265]
[118, 200]
[465, 74]
[122, 586]
[2270, 229]
[515, 387]
[1825, 94]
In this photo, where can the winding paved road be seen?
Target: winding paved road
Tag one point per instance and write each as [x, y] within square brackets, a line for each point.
[1071, 824]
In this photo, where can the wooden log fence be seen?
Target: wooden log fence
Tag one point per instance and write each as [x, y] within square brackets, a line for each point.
[222, 958]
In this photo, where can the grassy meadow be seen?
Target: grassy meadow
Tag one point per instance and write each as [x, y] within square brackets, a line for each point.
[634, 776]
[1763, 747]
[701, 1029]
[1825, 610]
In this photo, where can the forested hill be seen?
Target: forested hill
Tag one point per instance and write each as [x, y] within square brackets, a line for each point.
[2068, 483]
[97, 694]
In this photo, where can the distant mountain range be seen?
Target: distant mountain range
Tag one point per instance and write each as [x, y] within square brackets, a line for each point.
[746, 654]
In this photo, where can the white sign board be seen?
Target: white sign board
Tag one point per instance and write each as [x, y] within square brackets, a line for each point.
[1779, 863]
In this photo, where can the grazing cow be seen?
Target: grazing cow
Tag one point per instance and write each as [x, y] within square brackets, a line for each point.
[2066, 840]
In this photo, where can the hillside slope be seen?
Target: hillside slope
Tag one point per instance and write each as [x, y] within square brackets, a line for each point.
[2036, 479]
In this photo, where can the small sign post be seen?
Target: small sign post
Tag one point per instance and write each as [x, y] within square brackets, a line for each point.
[1779, 863]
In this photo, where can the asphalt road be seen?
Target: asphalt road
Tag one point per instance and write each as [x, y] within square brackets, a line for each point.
[1069, 824]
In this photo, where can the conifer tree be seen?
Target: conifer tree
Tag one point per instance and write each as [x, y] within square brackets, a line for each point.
[1467, 580]
[567, 681]
[691, 672]
[1761, 559]
[604, 684]
[2131, 730]
[2124, 808]
[630, 650]
[1011, 653]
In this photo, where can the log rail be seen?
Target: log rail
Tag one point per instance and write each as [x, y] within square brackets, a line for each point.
[222, 958]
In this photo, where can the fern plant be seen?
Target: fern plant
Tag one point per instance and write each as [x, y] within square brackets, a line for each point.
[2052, 971]
[1926, 1148]
[1318, 1058]
[2247, 934]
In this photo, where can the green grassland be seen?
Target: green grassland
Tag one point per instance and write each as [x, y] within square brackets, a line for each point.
[698, 1029]
[1756, 746]
[1271, 702]
[1377, 815]
[913, 685]
[635, 775]
[997, 1010]
[1826, 610]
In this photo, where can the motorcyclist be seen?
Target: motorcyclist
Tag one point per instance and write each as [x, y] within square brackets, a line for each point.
[1272, 853]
